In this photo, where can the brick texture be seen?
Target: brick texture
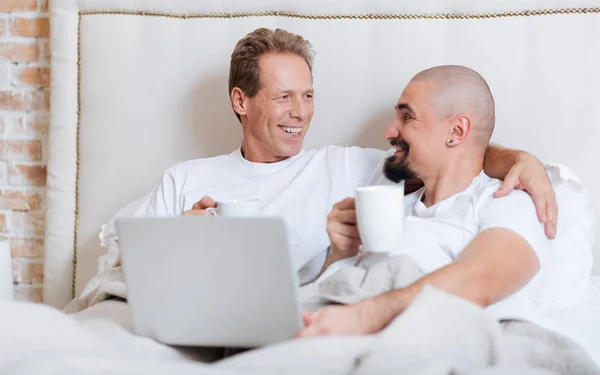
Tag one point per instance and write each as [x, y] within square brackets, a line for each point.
[26, 247]
[20, 200]
[19, 51]
[27, 223]
[45, 51]
[25, 272]
[18, 5]
[23, 100]
[32, 76]
[26, 174]
[20, 149]
[36, 27]
[3, 224]
[33, 125]
[25, 53]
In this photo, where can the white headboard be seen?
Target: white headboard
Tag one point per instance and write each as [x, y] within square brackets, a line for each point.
[140, 85]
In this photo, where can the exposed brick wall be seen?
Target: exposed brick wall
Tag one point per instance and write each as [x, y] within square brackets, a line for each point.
[24, 101]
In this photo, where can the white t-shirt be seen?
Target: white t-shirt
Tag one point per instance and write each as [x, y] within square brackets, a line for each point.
[302, 189]
[434, 236]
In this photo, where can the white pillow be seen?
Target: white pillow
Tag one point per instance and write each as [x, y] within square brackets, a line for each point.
[108, 235]
[568, 267]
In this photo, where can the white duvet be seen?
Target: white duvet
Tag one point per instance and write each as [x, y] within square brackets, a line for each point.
[438, 334]
[582, 320]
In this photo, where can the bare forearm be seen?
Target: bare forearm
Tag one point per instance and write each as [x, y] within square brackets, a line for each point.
[455, 278]
[496, 264]
[499, 160]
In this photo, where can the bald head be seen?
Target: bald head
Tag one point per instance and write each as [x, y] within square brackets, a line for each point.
[460, 90]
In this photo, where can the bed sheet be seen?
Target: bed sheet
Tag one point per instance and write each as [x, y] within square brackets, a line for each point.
[583, 320]
[38, 339]
[115, 310]
[118, 311]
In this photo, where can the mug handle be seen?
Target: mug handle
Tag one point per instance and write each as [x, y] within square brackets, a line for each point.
[213, 211]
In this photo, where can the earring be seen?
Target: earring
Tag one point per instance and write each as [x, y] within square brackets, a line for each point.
[450, 141]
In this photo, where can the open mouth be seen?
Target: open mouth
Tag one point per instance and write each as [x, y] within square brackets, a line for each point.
[294, 131]
[400, 145]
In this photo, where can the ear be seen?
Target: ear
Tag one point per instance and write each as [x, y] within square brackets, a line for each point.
[460, 130]
[239, 101]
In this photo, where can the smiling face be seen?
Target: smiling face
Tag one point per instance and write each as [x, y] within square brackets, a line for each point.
[276, 119]
[444, 117]
[418, 135]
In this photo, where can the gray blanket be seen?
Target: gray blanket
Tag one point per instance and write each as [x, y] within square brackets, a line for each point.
[438, 334]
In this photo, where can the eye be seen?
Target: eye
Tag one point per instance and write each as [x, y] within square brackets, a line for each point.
[406, 117]
[286, 97]
[309, 96]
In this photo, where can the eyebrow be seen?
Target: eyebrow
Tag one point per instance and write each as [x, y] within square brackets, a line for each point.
[294, 89]
[404, 107]
[282, 91]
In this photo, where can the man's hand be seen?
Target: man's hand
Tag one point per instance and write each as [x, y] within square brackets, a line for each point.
[529, 174]
[199, 208]
[343, 233]
[357, 319]
[342, 229]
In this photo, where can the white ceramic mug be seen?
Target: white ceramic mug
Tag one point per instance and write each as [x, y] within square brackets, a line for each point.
[6, 281]
[380, 216]
[237, 208]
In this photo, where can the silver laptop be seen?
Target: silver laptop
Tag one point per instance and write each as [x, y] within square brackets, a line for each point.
[210, 281]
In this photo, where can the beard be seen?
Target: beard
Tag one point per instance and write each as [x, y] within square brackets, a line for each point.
[398, 170]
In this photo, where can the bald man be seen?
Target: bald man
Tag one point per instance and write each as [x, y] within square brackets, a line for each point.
[467, 242]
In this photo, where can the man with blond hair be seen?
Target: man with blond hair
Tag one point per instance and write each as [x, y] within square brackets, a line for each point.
[271, 93]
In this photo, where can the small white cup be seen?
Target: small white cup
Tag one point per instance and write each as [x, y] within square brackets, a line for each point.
[237, 208]
[6, 281]
[380, 216]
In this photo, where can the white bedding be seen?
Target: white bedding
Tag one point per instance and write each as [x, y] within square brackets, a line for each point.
[436, 334]
[583, 320]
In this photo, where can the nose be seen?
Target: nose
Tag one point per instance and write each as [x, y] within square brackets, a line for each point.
[299, 110]
[392, 131]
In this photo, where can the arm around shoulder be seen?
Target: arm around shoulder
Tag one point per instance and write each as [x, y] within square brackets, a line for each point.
[503, 258]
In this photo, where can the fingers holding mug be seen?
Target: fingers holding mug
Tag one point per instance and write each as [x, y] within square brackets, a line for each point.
[204, 207]
[204, 203]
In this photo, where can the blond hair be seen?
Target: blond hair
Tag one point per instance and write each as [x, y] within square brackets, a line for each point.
[244, 70]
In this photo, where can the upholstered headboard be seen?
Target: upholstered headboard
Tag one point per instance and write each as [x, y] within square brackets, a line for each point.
[140, 85]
